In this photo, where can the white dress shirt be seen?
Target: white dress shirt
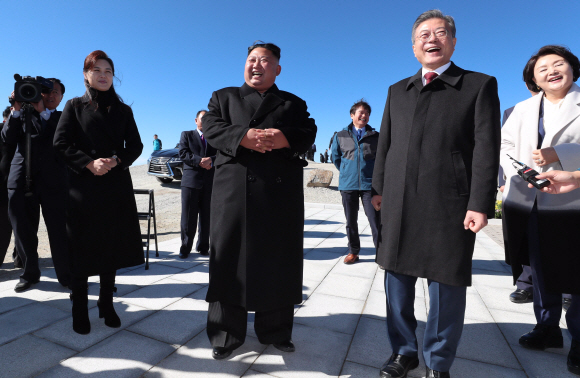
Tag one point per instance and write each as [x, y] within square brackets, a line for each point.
[438, 71]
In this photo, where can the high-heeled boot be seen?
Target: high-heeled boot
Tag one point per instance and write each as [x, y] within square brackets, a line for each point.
[80, 307]
[105, 302]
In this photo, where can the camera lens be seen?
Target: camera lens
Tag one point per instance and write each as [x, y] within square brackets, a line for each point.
[27, 92]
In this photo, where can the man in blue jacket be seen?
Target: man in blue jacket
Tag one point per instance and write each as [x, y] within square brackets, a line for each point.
[353, 153]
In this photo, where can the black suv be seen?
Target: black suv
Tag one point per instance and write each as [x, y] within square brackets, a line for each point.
[165, 165]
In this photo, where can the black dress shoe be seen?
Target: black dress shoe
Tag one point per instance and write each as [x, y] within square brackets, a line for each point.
[574, 358]
[436, 374]
[521, 296]
[398, 365]
[542, 337]
[183, 255]
[285, 346]
[203, 253]
[566, 302]
[220, 353]
[24, 285]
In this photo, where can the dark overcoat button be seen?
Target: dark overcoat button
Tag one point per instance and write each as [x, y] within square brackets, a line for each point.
[251, 178]
[254, 121]
[93, 152]
[278, 180]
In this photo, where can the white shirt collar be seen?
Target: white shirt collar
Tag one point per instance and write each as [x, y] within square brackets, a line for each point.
[438, 71]
[199, 131]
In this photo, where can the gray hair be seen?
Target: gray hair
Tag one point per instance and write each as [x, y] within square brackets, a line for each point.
[433, 13]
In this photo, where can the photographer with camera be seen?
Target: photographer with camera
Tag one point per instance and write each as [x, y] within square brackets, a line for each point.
[37, 178]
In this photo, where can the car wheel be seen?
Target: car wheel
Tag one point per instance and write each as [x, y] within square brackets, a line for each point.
[164, 180]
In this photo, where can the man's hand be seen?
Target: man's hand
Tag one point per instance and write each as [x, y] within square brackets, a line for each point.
[205, 163]
[251, 140]
[545, 156]
[474, 221]
[561, 181]
[376, 201]
[17, 105]
[274, 139]
[502, 188]
[99, 167]
[39, 106]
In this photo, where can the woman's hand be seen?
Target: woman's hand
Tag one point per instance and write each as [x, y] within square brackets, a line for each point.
[560, 181]
[545, 156]
[99, 167]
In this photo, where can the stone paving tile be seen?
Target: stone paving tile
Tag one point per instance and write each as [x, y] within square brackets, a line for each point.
[473, 369]
[330, 312]
[123, 355]
[345, 286]
[327, 255]
[161, 294]
[29, 356]
[142, 277]
[39, 292]
[62, 300]
[316, 270]
[194, 360]
[541, 364]
[376, 305]
[364, 268]
[63, 334]
[484, 342]
[256, 374]
[514, 324]
[308, 288]
[27, 319]
[182, 263]
[490, 279]
[198, 275]
[352, 370]
[313, 356]
[176, 323]
[475, 307]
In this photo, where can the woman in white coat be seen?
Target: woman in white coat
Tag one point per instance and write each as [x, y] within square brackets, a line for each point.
[541, 229]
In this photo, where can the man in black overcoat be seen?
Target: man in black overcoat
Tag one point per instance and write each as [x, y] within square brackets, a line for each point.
[436, 168]
[196, 185]
[257, 207]
[6, 155]
[48, 190]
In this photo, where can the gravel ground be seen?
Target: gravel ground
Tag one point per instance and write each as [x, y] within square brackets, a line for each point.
[168, 211]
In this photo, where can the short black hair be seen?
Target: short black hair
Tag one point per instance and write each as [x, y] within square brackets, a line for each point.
[268, 46]
[57, 81]
[562, 51]
[359, 103]
[6, 112]
[201, 111]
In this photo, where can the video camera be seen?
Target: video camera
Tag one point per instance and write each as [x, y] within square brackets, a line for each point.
[29, 89]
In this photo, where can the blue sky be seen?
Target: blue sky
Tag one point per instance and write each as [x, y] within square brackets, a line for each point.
[170, 56]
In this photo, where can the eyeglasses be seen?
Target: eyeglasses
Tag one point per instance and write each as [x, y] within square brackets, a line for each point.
[425, 35]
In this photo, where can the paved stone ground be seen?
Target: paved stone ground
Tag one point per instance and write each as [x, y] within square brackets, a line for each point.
[339, 329]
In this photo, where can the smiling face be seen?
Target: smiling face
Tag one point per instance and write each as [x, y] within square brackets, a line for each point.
[101, 76]
[261, 69]
[52, 99]
[436, 51]
[360, 118]
[554, 75]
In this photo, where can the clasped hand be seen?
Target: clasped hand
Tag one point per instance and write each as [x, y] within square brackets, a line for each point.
[264, 140]
[101, 166]
[545, 156]
[205, 163]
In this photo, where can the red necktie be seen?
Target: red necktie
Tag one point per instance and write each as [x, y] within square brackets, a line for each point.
[203, 140]
[430, 76]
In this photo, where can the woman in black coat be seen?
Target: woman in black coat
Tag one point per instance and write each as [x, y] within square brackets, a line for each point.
[98, 138]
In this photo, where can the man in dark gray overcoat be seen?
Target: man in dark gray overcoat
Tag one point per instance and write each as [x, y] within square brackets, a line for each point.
[257, 206]
[436, 169]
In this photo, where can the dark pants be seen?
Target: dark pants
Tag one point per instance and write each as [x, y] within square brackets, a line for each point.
[5, 225]
[444, 322]
[25, 215]
[227, 325]
[548, 305]
[524, 281]
[194, 202]
[351, 206]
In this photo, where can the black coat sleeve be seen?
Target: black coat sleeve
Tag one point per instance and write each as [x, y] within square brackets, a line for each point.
[301, 135]
[133, 145]
[222, 135]
[487, 134]
[382, 149]
[65, 139]
[185, 153]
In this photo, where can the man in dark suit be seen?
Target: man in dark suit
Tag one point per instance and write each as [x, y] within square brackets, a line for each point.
[48, 188]
[6, 155]
[436, 169]
[257, 209]
[196, 186]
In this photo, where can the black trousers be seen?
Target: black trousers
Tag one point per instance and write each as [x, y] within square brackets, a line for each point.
[194, 202]
[25, 215]
[351, 206]
[227, 325]
[5, 225]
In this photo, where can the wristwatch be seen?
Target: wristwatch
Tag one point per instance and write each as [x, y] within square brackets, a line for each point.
[116, 159]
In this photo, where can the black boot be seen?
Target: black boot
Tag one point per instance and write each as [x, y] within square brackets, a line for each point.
[105, 302]
[80, 307]
[574, 358]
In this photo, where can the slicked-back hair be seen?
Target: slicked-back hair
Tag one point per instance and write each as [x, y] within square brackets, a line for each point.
[199, 112]
[359, 103]
[57, 81]
[433, 13]
[268, 46]
[562, 51]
